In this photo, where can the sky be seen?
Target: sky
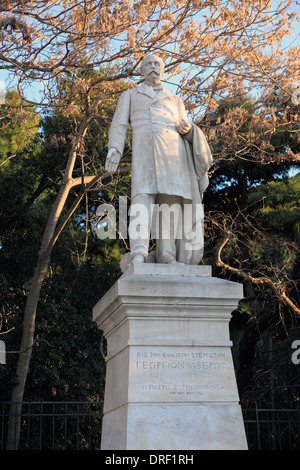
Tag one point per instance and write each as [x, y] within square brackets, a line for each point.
[34, 92]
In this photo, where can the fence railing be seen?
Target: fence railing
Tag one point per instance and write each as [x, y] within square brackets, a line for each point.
[77, 426]
[272, 429]
[56, 425]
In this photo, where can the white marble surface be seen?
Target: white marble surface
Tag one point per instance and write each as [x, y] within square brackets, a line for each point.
[158, 269]
[170, 381]
[170, 161]
[181, 427]
[159, 160]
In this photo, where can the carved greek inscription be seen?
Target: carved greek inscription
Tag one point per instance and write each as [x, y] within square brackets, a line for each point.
[181, 389]
[181, 365]
[187, 373]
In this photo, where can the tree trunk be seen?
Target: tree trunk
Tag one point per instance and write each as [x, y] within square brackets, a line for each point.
[34, 294]
[25, 354]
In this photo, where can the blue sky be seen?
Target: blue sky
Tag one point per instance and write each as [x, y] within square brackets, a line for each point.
[34, 92]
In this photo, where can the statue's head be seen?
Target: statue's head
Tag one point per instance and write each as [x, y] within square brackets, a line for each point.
[152, 68]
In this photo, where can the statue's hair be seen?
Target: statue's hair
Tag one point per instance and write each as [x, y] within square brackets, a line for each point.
[151, 55]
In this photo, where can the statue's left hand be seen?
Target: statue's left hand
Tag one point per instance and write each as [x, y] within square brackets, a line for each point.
[183, 126]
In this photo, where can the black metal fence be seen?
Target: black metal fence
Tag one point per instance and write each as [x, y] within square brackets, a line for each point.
[272, 429]
[77, 426]
[56, 425]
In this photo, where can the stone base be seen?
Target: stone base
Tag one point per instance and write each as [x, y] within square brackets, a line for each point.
[174, 427]
[170, 382]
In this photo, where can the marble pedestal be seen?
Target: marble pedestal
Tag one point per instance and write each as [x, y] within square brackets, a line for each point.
[170, 382]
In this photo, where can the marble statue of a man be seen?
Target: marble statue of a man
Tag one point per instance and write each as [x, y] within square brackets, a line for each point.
[170, 160]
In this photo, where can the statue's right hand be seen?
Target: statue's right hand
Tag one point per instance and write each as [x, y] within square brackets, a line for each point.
[112, 160]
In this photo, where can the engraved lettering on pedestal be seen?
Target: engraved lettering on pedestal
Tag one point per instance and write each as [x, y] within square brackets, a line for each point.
[188, 375]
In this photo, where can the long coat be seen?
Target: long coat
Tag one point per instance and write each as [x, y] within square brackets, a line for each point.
[163, 161]
[159, 160]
